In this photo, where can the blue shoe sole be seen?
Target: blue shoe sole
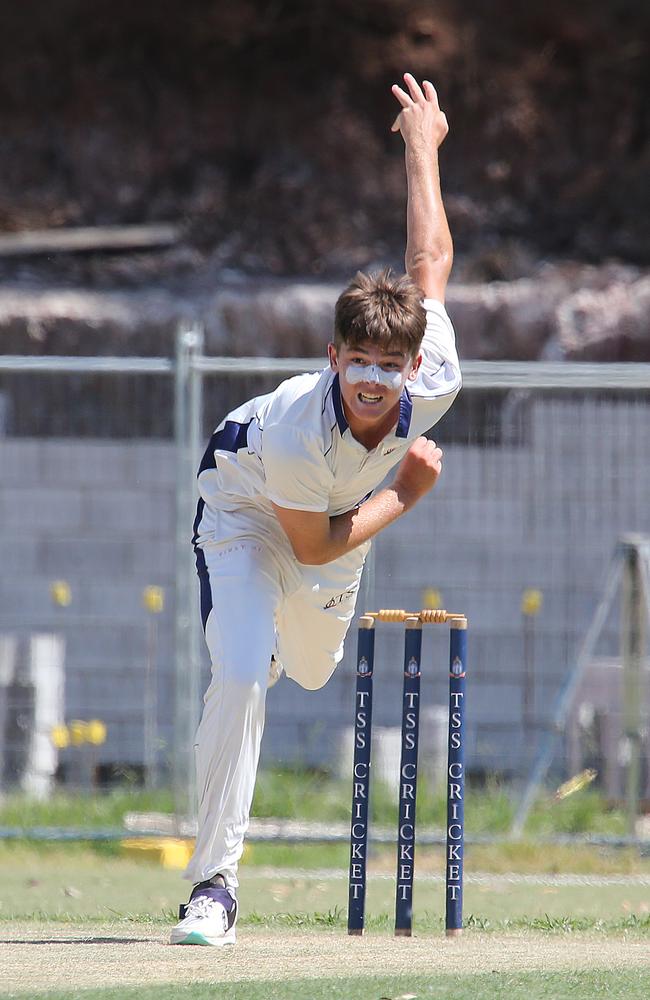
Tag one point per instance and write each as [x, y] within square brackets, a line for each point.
[194, 938]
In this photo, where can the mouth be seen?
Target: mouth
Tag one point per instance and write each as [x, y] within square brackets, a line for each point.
[369, 398]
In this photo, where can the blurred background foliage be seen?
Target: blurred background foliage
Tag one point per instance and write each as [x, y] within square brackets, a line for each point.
[263, 126]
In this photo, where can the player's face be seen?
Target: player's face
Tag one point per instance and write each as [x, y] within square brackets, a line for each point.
[371, 380]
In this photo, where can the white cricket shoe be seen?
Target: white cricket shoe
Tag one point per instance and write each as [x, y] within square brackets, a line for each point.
[209, 917]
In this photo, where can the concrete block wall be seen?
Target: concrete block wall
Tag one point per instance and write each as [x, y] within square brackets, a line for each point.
[99, 515]
[545, 514]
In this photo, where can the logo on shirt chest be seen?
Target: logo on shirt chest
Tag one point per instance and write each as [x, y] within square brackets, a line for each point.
[339, 599]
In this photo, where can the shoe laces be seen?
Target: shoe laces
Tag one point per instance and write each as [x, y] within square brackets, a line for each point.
[201, 906]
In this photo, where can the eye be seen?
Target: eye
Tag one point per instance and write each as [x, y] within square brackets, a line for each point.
[358, 361]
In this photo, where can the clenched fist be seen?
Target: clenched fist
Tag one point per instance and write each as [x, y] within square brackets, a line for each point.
[418, 470]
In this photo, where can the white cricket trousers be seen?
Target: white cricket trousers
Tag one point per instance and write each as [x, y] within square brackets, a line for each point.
[255, 612]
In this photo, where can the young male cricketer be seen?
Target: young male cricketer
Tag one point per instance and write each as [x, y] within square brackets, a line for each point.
[287, 509]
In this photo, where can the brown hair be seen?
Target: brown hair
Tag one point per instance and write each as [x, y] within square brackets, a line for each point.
[383, 309]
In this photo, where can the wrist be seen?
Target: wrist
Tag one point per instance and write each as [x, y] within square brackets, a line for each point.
[405, 498]
[419, 148]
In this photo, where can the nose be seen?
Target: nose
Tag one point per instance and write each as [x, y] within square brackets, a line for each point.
[373, 374]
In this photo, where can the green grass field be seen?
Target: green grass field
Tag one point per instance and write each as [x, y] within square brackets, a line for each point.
[70, 883]
[538, 985]
[317, 796]
[70, 916]
[542, 920]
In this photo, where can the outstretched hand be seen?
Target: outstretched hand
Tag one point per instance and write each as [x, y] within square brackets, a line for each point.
[420, 121]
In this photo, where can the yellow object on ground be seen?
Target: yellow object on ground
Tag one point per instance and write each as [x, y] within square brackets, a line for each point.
[167, 851]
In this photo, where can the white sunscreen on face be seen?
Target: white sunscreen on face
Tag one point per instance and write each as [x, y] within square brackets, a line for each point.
[373, 374]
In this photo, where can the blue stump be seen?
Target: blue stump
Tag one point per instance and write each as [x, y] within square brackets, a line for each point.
[456, 778]
[361, 777]
[408, 774]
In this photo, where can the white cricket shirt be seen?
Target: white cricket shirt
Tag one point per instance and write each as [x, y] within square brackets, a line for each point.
[293, 446]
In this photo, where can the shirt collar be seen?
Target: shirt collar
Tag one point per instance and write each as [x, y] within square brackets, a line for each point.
[405, 411]
[338, 405]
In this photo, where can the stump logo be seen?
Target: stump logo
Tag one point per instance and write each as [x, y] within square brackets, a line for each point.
[412, 668]
[457, 668]
[362, 667]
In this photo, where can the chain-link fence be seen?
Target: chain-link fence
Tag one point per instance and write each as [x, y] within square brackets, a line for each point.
[544, 471]
[545, 468]
[87, 556]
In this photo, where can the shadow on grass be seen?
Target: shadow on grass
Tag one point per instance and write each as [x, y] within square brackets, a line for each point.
[83, 940]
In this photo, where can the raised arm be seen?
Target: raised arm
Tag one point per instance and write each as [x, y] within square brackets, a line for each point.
[429, 247]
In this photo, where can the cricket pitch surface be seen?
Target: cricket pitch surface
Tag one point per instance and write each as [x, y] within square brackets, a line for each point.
[48, 956]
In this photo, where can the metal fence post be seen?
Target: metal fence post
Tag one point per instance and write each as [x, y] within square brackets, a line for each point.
[632, 659]
[196, 642]
[187, 403]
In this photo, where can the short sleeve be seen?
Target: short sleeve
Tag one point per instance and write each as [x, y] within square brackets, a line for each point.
[439, 341]
[439, 373]
[296, 471]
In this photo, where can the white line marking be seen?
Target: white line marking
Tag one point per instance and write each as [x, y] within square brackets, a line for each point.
[475, 878]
